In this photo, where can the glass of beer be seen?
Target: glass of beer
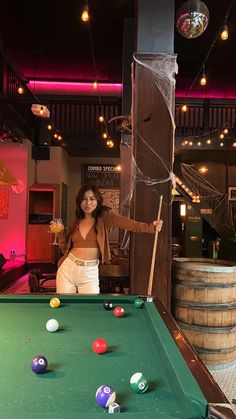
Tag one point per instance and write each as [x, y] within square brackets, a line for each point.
[56, 226]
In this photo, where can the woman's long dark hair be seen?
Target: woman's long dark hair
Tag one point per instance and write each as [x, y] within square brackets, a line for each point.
[79, 198]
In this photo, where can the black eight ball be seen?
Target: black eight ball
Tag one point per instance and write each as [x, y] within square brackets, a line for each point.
[108, 305]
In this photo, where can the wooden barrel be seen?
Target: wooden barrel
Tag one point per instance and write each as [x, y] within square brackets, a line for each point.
[204, 305]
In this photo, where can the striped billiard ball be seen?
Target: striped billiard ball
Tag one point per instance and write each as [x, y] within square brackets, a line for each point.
[55, 302]
[138, 383]
[105, 395]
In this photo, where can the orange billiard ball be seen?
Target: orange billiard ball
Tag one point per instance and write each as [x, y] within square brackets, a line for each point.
[55, 302]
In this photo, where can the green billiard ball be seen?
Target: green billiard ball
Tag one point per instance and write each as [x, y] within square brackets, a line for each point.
[138, 383]
[139, 303]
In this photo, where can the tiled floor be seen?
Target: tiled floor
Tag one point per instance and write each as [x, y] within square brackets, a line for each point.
[225, 377]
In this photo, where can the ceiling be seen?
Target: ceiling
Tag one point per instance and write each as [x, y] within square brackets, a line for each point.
[48, 41]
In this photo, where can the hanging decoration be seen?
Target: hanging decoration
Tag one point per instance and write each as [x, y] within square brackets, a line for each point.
[18, 188]
[192, 19]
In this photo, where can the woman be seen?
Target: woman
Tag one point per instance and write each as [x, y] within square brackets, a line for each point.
[87, 241]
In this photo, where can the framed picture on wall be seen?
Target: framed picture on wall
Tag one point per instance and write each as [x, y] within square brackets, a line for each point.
[232, 193]
[4, 203]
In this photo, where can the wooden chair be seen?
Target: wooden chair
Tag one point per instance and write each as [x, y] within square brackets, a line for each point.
[41, 282]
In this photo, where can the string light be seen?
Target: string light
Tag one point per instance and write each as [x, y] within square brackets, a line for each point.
[225, 33]
[195, 198]
[184, 108]
[105, 134]
[110, 143]
[85, 14]
[203, 80]
[20, 90]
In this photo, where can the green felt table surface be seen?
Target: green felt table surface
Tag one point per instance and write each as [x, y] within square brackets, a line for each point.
[137, 342]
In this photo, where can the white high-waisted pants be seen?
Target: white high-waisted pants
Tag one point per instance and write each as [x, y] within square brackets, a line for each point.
[72, 278]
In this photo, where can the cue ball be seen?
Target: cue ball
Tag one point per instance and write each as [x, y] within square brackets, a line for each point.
[139, 303]
[138, 383]
[55, 302]
[39, 364]
[105, 395]
[99, 346]
[108, 305]
[119, 311]
[52, 325]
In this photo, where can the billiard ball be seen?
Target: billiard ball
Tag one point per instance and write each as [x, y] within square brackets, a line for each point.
[108, 305]
[55, 302]
[119, 311]
[99, 346]
[139, 303]
[105, 395]
[39, 364]
[52, 325]
[138, 383]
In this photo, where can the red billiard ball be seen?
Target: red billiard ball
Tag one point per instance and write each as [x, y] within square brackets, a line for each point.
[119, 311]
[99, 346]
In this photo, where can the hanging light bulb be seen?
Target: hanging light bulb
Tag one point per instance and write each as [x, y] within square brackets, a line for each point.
[101, 118]
[20, 90]
[203, 80]
[49, 127]
[85, 14]
[104, 135]
[41, 110]
[225, 33]
[110, 143]
[95, 84]
[225, 131]
[184, 108]
[222, 136]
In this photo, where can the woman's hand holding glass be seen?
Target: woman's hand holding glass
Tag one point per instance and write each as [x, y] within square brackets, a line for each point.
[56, 226]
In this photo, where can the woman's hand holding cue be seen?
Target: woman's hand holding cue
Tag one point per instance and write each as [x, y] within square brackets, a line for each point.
[158, 225]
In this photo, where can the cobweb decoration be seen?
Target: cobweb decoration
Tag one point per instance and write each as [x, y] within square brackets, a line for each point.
[163, 77]
[199, 184]
[222, 217]
[162, 84]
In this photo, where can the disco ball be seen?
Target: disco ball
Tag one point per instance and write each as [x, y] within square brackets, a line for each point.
[192, 19]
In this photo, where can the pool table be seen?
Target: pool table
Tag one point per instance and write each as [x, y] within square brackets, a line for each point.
[146, 339]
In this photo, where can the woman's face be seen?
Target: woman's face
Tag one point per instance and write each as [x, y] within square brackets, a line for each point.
[89, 202]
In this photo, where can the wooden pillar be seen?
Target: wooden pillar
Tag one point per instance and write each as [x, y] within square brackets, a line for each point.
[153, 132]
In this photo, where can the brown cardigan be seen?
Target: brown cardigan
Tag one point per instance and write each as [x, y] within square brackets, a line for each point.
[106, 222]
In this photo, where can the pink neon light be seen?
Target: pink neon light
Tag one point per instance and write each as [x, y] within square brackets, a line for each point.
[44, 87]
[75, 88]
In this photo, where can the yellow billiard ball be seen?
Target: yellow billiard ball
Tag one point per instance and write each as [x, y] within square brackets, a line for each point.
[55, 302]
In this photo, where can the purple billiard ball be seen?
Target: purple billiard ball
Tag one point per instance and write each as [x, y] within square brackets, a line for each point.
[39, 364]
[105, 395]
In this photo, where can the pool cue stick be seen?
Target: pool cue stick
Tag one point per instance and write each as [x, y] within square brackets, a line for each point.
[150, 282]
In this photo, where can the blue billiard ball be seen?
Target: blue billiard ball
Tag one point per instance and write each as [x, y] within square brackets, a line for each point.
[39, 364]
[105, 395]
